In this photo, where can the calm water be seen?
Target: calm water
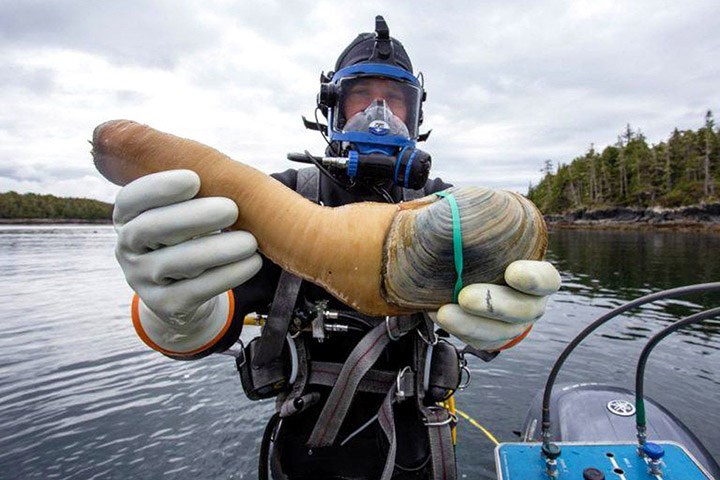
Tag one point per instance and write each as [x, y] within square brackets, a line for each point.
[80, 397]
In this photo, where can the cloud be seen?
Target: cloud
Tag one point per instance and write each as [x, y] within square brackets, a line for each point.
[22, 172]
[153, 34]
[509, 84]
[39, 80]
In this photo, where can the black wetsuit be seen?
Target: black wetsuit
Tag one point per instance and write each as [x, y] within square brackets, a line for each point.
[364, 455]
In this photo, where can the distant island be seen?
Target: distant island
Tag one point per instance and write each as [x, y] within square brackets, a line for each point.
[34, 208]
[631, 184]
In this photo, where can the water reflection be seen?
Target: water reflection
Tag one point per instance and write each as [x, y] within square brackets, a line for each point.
[81, 397]
[610, 268]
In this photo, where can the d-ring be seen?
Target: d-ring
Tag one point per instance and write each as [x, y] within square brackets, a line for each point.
[422, 337]
[389, 333]
[451, 418]
[463, 386]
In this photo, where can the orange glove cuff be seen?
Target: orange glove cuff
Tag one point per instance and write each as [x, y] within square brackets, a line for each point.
[141, 332]
[516, 340]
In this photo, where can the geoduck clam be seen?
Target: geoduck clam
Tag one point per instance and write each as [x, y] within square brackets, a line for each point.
[380, 259]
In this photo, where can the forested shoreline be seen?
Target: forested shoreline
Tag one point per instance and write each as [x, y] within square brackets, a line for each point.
[675, 181]
[34, 208]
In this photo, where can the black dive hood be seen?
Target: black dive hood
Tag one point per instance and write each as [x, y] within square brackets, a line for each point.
[370, 145]
[372, 48]
[378, 47]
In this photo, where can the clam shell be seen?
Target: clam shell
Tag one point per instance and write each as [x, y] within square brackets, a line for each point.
[498, 227]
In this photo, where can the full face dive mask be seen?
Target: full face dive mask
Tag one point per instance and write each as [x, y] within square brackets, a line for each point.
[373, 104]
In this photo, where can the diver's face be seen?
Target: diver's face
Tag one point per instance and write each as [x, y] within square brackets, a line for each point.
[366, 91]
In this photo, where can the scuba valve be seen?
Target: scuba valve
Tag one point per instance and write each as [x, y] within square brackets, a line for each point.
[374, 143]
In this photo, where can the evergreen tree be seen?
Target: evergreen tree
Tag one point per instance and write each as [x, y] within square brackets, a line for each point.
[708, 134]
[33, 206]
[680, 171]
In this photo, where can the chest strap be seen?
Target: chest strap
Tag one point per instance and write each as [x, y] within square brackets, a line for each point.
[359, 362]
[374, 381]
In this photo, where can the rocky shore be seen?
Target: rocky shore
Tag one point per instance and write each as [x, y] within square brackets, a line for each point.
[705, 217]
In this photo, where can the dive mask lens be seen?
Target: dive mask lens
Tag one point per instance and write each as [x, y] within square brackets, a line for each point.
[377, 119]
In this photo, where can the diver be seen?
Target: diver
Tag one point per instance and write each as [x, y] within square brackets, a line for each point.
[357, 397]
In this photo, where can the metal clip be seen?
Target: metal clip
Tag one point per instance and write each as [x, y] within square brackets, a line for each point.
[451, 418]
[464, 368]
[431, 331]
[318, 323]
[389, 333]
[400, 393]
[434, 340]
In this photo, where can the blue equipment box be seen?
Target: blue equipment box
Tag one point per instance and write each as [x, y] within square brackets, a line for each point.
[618, 461]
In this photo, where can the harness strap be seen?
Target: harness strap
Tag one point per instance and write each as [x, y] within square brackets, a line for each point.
[442, 453]
[359, 362]
[273, 334]
[386, 419]
[284, 402]
[308, 183]
[276, 326]
[437, 421]
[374, 381]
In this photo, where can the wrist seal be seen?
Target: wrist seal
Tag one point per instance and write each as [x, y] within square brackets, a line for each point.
[199, 340]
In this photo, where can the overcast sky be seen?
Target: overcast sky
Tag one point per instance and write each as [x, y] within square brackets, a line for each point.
[509, 84]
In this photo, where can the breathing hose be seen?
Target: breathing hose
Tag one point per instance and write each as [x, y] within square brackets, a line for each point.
[640, 373]
[672, 293]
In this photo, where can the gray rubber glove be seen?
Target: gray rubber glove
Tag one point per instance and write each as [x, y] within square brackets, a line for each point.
[178, 262]
[492, 317]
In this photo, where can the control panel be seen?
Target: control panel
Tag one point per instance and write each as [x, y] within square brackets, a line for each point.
[598, 461]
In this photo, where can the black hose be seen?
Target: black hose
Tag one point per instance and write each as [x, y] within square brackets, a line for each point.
[355, 318]
[675, 292]
[263, 473]
[640, 373]
[380, 191]
[324, 170]
[322, 132]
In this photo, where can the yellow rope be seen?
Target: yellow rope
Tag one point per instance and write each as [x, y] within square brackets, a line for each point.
[449, 405]
[253, 319]
[476, 424]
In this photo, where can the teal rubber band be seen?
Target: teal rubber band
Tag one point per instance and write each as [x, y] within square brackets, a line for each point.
[457, 241]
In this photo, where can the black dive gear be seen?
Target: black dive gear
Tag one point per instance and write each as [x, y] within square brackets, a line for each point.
[410, 168]
[373, 103]
[442, 372]
[268, 380]
[390, 399]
